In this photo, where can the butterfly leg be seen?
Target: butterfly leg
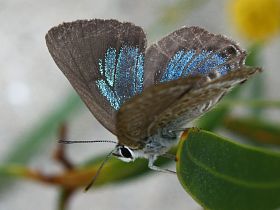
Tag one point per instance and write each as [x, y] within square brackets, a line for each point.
[156, 168]
[169, 156]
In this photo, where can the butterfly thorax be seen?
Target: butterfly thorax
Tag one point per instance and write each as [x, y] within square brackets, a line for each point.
[160, 142]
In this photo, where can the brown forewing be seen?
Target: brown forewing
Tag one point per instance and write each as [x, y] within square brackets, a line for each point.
[76, 47]
[172, 105]
[137, 114]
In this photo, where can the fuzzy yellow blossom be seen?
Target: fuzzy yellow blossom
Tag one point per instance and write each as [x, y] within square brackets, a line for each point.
[257, 20]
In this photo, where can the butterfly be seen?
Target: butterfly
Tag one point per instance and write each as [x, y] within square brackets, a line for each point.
[145, 96]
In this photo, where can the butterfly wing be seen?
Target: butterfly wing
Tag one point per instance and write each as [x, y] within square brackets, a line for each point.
[103, 60]
[172, 104]
[190, 51]
[200, 100]
[137, 114]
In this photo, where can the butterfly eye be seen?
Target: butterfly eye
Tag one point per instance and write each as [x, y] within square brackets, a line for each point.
[125, 152]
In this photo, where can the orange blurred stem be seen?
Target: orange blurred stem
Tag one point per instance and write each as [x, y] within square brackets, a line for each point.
[60, 154]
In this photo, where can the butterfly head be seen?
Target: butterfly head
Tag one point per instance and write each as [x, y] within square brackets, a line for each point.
[124, 153]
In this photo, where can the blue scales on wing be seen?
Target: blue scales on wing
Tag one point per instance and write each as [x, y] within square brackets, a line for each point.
[122, 74]
[186, 74]
[103, 60]
[189, 52]
[185, 63]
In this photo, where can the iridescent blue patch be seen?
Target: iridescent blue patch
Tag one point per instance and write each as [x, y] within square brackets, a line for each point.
[213, 61]
[185, 63]
[123, 74]
[177, 65]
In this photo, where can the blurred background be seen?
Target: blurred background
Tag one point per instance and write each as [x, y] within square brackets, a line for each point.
[36, 97]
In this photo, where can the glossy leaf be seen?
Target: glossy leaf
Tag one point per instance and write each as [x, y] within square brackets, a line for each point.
[221, 174]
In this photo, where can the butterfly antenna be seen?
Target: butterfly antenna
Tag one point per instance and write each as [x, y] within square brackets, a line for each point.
[85, 141]
[98, 171]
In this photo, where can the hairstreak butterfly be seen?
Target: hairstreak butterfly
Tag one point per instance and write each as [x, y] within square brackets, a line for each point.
[146, 96]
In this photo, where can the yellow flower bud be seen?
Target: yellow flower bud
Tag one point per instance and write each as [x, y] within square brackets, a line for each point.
[257, 20]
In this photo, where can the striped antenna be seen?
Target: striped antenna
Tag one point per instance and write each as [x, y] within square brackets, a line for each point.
[85, 141]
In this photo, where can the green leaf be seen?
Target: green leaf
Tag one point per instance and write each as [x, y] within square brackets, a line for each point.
[254, 129]
[221, 174]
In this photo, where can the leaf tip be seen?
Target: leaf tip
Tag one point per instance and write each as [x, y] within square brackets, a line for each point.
[186, 133]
